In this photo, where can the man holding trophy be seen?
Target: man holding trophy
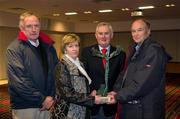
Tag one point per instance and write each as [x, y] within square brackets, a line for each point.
[141, 89]
[103, 63]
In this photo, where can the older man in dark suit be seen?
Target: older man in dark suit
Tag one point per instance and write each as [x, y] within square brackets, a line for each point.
[103, 63]
[141, 89]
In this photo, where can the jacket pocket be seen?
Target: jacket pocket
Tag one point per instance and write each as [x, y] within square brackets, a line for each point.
[133, 111]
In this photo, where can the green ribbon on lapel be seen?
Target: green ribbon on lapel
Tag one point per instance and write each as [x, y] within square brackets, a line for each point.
[104, 88]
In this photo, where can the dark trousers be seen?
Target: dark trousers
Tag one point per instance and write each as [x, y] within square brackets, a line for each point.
[100, 115]
[131, 111]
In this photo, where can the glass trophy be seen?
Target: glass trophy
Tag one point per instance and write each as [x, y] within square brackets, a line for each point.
[102, 91]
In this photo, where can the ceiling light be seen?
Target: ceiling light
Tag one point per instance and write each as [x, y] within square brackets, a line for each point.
[146, 7]
[87, 12]
[137, 13]
[125, 9]
[70, 13]
[170, 5]
[56, 14]
[103, 11]
[95, 22]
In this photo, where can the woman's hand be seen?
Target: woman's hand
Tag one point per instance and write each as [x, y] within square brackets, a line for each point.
[93, 93]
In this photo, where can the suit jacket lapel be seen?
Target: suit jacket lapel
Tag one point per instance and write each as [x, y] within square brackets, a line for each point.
[112, 49]
[99, 60]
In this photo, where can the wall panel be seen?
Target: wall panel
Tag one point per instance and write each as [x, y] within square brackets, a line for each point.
[170, 39]
[6, 36]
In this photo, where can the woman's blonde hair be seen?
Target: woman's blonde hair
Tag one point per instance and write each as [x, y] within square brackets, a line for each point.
[69, 38]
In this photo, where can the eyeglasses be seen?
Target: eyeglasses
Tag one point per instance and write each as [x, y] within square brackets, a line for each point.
[30, 27]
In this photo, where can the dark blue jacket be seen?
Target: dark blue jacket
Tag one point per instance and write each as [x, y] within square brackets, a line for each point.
[144, 83]
[28, 85]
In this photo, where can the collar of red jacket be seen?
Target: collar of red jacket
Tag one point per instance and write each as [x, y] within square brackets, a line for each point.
[43, 37]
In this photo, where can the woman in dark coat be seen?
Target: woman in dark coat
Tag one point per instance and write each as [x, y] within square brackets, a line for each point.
[72, 84]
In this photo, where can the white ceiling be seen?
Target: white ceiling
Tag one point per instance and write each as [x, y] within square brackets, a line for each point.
[45, 8]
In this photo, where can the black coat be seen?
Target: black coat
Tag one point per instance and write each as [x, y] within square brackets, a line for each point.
[144, 82]
[95, 70]
[72, 97]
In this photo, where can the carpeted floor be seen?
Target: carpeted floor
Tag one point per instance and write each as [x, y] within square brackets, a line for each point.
[172, 100]
[4, 104]
[5, 112]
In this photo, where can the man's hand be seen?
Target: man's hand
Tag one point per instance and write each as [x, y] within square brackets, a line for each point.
[48, 102]
[111, 100]
[112, 93]
[111, 96]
